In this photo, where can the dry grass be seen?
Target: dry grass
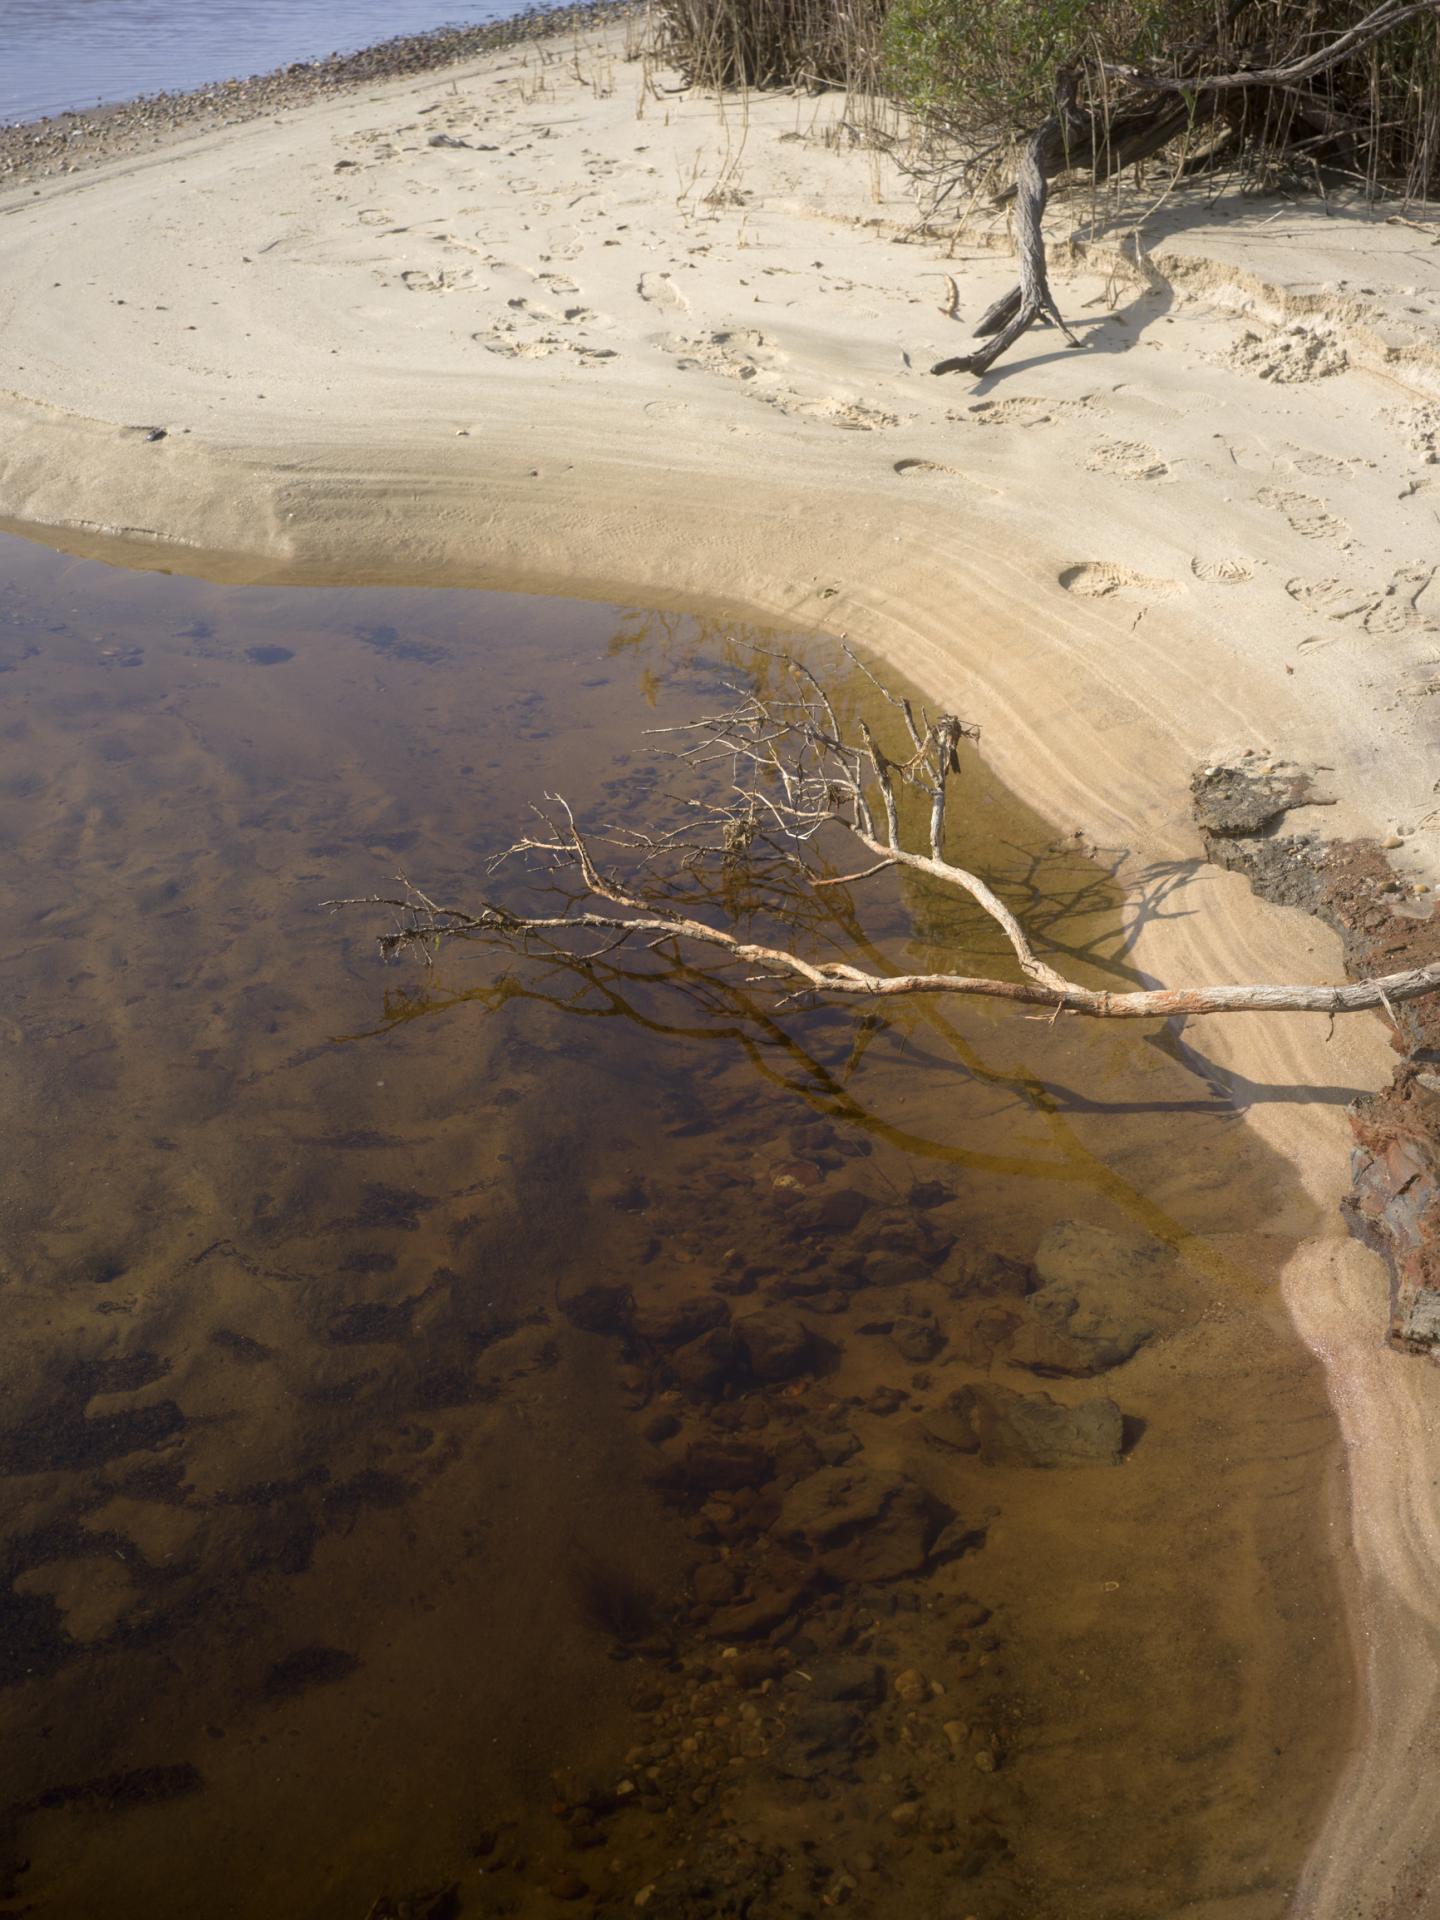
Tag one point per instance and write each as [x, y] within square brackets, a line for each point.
[771, 43]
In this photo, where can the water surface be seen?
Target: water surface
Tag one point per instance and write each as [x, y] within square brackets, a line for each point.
[392, 1521]
[57, 56]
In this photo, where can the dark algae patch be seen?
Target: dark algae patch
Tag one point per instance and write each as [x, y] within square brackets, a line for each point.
[504, 1440]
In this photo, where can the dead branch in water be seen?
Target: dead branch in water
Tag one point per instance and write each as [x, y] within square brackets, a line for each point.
[792, 782]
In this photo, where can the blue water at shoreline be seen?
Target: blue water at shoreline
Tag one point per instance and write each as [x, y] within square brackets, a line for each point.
[60, 55]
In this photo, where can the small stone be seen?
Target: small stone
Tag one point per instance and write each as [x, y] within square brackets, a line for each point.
[912, 1687]
[754, 1669]
[599, 1309]
[673, 1323]
[568, 1886]
[703, 1367]
[718, 1466]
[794, 1175]
[836, 1212]
[906, 1814]
[778, 1344]
[985, 1761]
[715, 1582]
[916, 1340]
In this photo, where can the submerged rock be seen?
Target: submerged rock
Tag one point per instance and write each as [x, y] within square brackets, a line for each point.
[1061, 1336]
[704, 1367]
[1102, 1297]
[599, 1309]
[950, 1425]
[916, 1340]
[715, 1466]
[670, 1323]
[834, 1212]
[1032, 1430]
[859, 1524]
[777, 1344]
[990, 1276]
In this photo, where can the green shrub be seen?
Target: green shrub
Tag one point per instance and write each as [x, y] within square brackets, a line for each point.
[993, 65]
[984, 68]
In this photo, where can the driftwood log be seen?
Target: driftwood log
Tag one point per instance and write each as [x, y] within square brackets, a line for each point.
[796, 786]
[1138, 113]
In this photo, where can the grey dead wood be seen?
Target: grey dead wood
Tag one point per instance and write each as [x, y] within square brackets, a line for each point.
[793, 784]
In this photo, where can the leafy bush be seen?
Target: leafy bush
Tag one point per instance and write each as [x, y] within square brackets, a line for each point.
[993, 67]
[983, 70]
[980, 70]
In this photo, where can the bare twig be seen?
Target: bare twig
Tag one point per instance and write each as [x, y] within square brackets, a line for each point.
[789, 774]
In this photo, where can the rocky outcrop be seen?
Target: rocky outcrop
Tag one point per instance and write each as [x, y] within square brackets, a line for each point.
[1394, 1201]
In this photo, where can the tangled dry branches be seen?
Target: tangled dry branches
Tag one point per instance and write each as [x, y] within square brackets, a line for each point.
[782, 787]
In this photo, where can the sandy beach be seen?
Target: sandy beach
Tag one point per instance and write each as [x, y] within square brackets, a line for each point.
[542, 322]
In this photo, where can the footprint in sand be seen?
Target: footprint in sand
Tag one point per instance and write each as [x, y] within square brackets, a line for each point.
[541, 347]
[1098, 579]
[531, 309]
[742, 353]
[1022, 410]
[1232, 570]
[550, 316]
[440, 280]
[747, 355]
[1324, 466]
[1131, 459]
[375, 217]
[659, 290]
[1306, 515]
[853, 416]
[1392, 609]
[936, 469]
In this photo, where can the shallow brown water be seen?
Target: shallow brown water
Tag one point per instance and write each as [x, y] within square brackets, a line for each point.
[368, 1548]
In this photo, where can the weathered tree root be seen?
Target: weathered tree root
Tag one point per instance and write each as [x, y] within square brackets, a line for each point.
[1032, 300]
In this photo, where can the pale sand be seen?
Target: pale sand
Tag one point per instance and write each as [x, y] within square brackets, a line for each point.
[651, 349]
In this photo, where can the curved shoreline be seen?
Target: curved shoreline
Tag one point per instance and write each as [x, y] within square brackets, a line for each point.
[629, 455]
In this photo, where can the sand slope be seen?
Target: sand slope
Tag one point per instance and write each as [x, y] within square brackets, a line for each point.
[629, 344]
